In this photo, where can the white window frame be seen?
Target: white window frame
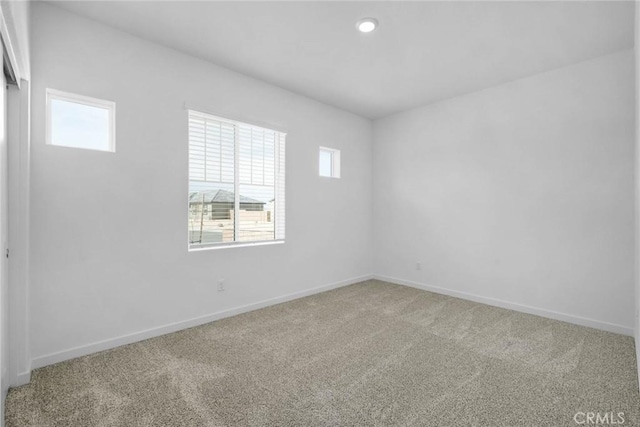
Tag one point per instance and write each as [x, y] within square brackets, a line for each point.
[279, 185]
[110, 106]
[335, 162]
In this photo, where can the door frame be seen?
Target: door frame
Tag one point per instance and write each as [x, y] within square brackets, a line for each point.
[18, 126]
[18, 94]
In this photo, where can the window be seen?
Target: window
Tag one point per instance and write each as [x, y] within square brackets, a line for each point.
[236, 182]
[80, 122]
[329, 162]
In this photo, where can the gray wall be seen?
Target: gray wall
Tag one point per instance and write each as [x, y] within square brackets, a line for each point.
[109, 231]
[518, 195]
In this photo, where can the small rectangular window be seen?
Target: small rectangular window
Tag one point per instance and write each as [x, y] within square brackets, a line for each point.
[236, 182]
[329, 162]
[80, 122]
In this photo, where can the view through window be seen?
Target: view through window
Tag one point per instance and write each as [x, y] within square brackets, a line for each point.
[329, 162]
[236, 182]
[79, 121]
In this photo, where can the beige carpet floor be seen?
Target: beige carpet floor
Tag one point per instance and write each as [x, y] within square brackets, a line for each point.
[367, 354]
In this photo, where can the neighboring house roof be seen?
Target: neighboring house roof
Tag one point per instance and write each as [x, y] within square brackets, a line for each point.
[219, 196]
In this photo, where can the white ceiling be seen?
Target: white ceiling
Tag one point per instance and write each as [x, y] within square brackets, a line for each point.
[422, 52]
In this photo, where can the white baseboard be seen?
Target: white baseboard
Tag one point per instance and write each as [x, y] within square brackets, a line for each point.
[582, 321]
[49, 359]
[638, 359]
[95, 347]
[23, 378]
[637, 343]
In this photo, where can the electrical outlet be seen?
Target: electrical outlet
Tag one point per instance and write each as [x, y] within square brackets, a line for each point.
[418, 266]
[220, 285]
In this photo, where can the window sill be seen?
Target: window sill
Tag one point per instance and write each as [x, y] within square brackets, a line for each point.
[234, 245]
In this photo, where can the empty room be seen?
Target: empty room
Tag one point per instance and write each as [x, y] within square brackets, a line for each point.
[319, 213]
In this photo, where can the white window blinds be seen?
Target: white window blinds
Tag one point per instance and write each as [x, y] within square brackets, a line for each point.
[236, 182]
[211, 150]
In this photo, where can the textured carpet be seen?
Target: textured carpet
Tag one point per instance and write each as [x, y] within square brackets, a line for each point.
[367, 354]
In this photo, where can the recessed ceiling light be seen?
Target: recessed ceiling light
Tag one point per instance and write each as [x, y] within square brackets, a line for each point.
[366, 25]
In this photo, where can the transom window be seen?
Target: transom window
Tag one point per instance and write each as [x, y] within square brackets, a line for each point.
[329, 162]
[79, 121]
[236, 182]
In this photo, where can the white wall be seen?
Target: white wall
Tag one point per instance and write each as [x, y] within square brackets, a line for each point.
[637, 185]
[108, 231]
[520, 195]
[517, 195]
